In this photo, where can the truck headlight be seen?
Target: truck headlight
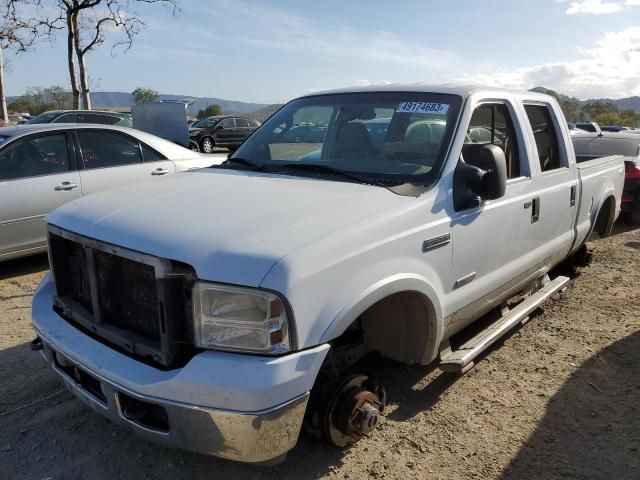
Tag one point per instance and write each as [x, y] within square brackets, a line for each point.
[240, 319]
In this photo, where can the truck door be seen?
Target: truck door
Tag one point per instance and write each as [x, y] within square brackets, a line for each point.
[555, 182]
[494, 244]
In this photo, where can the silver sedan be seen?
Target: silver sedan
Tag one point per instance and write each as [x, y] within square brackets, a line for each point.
[45, 166]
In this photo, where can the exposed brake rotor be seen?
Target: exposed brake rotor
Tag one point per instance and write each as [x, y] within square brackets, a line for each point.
[354, 410]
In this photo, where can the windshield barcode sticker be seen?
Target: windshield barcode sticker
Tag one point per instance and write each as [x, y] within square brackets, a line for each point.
[422, 107]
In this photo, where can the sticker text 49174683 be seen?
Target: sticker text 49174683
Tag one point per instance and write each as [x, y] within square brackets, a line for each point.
[423, 107]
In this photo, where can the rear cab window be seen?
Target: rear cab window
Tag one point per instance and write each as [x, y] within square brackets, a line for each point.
[546, 137]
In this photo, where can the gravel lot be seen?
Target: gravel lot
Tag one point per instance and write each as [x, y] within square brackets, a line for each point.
[559, 398]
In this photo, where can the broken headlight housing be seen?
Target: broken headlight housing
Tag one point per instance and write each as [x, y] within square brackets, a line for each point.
[240, 319]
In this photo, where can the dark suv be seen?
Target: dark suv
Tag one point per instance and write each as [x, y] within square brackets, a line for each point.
[221, 131]
[83, 116]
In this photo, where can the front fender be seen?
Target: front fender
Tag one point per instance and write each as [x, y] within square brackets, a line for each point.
[401, 282]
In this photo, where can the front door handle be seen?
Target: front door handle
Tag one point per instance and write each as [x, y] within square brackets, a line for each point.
[160, 171]
[64, 186]
[535, 210]
[572, 200]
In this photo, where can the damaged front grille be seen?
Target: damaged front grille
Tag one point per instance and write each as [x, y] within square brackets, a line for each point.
[138, 303]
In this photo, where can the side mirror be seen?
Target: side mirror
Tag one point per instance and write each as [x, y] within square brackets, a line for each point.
[481, 176]
[219, 127]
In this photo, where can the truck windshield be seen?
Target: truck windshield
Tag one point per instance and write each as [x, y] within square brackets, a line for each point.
[392, 137]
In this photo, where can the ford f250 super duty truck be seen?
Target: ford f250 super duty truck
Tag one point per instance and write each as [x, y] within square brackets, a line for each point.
[222, 309]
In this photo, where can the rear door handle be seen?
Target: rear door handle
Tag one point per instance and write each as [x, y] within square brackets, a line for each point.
[572, 200]
[65, 186]
[535, 210]
[160, 171]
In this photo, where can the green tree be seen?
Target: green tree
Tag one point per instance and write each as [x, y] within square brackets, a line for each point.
[144, 95]
[210, 111]
[35, 101]
[62, 97]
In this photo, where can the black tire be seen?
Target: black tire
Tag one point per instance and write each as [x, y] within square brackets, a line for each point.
[634, 218]
[207, 145]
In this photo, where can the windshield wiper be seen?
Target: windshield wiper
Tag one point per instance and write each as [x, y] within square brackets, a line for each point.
[314, 167]
[230, 162]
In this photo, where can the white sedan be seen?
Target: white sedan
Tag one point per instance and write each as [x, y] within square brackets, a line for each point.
[45, 166]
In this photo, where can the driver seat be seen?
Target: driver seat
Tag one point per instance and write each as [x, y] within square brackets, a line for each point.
[353, 141]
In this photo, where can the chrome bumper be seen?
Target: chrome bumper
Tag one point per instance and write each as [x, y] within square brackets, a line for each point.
[242, 436]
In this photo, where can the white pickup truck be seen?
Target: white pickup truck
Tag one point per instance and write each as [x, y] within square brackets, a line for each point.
[221, 309]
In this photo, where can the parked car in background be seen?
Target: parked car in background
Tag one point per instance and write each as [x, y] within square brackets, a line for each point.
[614, 128]
[226, 306]
[592, 127]
[592, 145]
[221, 131]
[305, 134]
[45, 166]
[82, 116]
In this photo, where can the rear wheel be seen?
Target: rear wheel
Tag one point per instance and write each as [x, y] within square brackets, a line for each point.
[207, 144]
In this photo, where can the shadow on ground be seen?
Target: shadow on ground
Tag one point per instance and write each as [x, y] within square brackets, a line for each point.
[591, 428]
[23, 266]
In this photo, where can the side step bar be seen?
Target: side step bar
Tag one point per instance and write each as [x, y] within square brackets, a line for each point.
[461, 360]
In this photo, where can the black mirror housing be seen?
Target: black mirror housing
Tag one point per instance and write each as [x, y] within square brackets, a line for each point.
[482, 175]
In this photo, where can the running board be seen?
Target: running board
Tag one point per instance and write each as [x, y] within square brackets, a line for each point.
[461, 360]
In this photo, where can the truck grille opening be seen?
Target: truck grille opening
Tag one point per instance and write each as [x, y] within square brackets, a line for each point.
[135, 302]
[128, 295]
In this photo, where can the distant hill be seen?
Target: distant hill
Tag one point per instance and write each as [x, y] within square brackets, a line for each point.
[632, 103]
[122, 99]
[265, 112]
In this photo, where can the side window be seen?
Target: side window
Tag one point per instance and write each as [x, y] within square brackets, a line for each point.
[106, 119]
[254, 123]
[242, 123]
[150, 155]
[493, 124]
[107, 149]
[67, 118]
[546, 137]
[228, 123]
[35, 157]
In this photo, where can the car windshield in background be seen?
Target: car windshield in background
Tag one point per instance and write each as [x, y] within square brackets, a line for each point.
[44, 118]
[388, 137]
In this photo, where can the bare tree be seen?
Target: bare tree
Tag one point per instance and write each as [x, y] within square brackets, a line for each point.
[16, 33]
[88, 22]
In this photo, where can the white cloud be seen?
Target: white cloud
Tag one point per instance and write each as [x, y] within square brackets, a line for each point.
[610, 68]
[275, 28]
[594, 7]
[632, 3]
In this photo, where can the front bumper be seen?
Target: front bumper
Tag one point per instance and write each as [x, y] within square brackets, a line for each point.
[240, 407]
[241, 436]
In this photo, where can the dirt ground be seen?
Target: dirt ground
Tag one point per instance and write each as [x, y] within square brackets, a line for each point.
[558, 398]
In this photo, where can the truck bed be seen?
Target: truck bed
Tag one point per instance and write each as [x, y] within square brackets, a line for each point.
[599, 179]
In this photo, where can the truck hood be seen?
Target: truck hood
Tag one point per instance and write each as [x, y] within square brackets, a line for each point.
[230, 226]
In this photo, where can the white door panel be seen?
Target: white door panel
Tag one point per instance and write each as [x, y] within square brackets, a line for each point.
[25, 202]
[104, 178]
[493, 244]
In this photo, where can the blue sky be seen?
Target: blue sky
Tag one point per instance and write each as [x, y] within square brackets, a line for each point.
[267, 52]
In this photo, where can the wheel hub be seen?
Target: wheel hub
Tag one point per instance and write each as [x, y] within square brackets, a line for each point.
[354, 411]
